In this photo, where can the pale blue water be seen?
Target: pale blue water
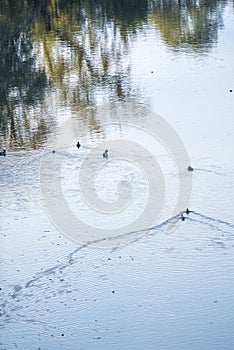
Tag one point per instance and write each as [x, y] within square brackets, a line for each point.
[164, 290]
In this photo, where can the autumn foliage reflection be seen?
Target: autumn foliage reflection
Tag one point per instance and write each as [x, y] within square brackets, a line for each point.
[76, 52]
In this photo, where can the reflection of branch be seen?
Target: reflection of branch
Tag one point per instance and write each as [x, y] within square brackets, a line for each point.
[80, 44]
[23, 86]
[188, 23]
[93, 57]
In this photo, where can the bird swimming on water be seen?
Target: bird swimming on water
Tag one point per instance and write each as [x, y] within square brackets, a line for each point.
[182, 217]
[78, 145]
[187, 211]
[105, 154]
[3, 153]
[190, 168]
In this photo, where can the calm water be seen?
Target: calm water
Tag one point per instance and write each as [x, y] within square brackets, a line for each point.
[98, 71]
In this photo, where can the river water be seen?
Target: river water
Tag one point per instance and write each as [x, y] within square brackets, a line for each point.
[94, 254]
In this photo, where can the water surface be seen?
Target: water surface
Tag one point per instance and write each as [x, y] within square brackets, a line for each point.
[85, 62]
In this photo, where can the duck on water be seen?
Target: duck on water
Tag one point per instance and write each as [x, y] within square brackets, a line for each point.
[105, 154]
[3, 153]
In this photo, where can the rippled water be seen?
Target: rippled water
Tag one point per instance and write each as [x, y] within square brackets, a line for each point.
[102, 68]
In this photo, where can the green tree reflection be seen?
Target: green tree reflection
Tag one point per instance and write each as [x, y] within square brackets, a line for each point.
[22, 81]
[79, 46]
[77, 52]
[84, 46]
[191, 25]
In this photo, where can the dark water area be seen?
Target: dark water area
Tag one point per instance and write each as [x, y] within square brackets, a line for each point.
[56, 54]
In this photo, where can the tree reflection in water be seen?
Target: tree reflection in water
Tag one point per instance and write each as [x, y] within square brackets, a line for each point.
[78, 53]
[190, 25]
[23, 81]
